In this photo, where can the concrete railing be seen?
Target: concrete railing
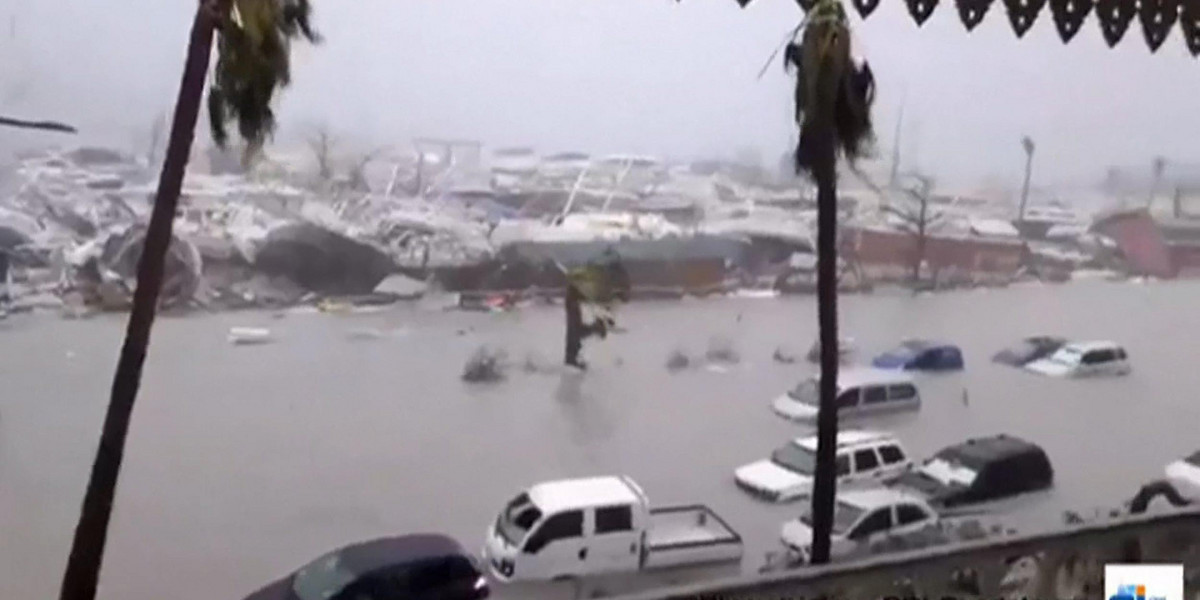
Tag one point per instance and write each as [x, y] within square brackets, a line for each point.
[1064, 564]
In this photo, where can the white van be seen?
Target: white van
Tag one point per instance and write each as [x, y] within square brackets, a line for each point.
[861, 391]
[867, 458]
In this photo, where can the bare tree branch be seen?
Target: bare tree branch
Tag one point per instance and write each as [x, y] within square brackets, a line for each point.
[43, 125]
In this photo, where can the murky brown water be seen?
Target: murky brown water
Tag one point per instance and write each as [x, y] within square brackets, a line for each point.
[245, 462]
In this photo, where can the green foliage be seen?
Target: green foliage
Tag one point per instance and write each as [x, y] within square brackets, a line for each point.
[253, 62]
[831, 92]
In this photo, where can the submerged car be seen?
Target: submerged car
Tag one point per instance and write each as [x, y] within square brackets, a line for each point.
[409, 567]
[1029, 350]
[921, 355]
[1084, 359]
[863, 458]
[860, 392]
[980, 470]
[860, 517]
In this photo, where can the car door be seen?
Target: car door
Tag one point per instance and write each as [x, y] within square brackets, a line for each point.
[556, 548]
[867, 466]
[847, 402]
[894, 461]
[1121, 364]
[614, 543]
[1095, 362]
[901, 396]
[873, 399]
[911, 517]
[870, 528]
[442, 578]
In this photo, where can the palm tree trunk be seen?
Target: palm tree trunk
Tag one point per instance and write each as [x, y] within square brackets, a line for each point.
[574, 312]
[87, 549]
[1025, 187]
[825, 483]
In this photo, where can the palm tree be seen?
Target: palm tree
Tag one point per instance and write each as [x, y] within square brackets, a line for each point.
[1028, 145]
[821, 124]
[253, 38]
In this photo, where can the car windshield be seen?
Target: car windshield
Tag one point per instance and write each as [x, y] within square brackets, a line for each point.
[806, 392]
[845, 515]
[1194, 459]
[322, 578]
[795, 458]
[948, 471]
[1067, 356]
[516, 519]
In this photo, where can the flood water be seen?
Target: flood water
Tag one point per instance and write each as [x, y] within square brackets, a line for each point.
[245, 462]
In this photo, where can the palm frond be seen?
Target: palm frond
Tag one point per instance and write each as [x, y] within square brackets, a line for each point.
[253, 63]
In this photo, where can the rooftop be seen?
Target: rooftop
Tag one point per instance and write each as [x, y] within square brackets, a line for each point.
[980, 450]
[554, 496]
[383, 552]
[1092, 345]
[846, 438]
[856, 376]
[876, 497]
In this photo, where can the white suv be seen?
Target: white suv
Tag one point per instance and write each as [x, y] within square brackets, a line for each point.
[864, 458]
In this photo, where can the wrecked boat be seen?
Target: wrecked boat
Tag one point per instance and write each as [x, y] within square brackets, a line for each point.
[105, 269]
[323, 261]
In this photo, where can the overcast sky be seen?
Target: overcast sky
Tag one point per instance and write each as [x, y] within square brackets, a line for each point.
[646, 76]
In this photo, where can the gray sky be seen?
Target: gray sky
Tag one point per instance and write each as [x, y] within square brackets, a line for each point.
[648, 76]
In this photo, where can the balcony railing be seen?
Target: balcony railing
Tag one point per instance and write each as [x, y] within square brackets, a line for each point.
[1064, 564]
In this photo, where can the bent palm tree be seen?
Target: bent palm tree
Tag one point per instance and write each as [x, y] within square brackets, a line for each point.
[1157, 18]
[253, 42]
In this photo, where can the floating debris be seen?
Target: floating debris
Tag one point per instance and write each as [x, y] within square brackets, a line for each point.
[486, 365]
[249, 336]
[784, 356]
[721, 350]
[677, 361]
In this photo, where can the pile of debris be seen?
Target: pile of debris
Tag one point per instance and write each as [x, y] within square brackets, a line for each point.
[73, 224]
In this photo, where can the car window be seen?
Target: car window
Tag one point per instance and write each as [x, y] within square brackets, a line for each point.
[848, 399]
[891, 454]
[1121, 354]
[901, 391]
[1096, 357]
[843, 465]
[865, 460]
[880, 520]
[558, 527]
[910, 513]
[611, 519]
[874, 394]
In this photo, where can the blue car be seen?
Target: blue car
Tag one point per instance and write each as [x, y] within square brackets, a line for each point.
[921, 355]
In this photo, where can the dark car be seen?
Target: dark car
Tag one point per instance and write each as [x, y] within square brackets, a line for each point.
[1029, 350]
[921, 355]
[410, 567]
[980, 470]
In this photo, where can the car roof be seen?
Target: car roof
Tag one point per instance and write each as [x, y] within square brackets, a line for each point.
[978, 451]
[852, 437]
[384, 552]
[868, 499]
[554, 496]
[1092, 345]
[859, 376]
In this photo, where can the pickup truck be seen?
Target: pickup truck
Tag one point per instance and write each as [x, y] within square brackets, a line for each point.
[562, 538]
